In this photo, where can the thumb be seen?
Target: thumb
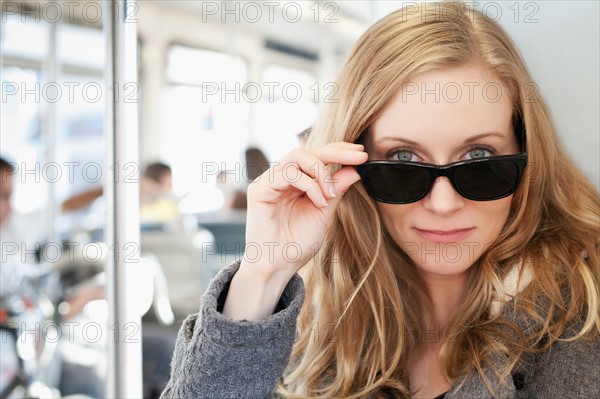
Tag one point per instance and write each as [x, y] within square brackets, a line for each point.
[341, 181]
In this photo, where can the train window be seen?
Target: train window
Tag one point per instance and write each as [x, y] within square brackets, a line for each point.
[23, 41]
[80, 131]
[30, 92]
[204, 121]
[80, 113]
[23, 36]
[200, 67]
[81, 46]
[287, 107]
[21, 139]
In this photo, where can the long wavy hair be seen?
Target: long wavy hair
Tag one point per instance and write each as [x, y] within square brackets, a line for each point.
[363, 292]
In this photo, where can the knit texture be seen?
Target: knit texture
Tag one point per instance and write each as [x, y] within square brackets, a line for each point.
[216, 357]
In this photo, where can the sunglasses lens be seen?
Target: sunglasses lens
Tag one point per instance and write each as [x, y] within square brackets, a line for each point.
[487, 180]
[396, 183]
[478, 180]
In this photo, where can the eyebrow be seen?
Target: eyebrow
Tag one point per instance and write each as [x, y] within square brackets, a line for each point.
[482, 135]
[414, 143]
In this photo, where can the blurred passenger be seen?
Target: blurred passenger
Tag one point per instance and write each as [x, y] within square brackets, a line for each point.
[256, 164]
[6, 187]
[19, 282]
[22, 230]
[230, 184]
[161, 174]
[234, 185]
[158, 204]
[155, 182]
[10, 273]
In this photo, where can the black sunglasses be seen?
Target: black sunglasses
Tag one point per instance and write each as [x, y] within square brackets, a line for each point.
[483, 179]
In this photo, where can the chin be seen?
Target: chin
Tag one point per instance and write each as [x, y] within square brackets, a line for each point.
[443, 268]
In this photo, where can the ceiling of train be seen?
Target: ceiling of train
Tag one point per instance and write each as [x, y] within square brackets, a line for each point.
[301, 23]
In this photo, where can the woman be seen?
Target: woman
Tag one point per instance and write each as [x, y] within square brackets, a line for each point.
[473, 280]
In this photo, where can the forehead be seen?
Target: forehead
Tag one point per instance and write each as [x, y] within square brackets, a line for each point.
[445, 106]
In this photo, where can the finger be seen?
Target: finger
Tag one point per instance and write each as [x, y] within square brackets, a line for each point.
[311, 163]
[308, 163]
[282, 184]
[345, 144]
[351, 154]
[314, 162]
[334, 153]
[305, 161]
[342, 180]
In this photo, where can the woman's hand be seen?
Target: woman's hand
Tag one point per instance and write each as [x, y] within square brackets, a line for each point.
[290, 208]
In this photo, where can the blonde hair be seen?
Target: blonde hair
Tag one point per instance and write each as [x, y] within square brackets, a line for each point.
[363, 294]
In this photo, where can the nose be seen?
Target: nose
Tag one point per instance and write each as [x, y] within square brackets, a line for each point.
[443, 198]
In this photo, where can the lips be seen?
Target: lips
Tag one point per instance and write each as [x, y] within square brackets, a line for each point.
[445, 236]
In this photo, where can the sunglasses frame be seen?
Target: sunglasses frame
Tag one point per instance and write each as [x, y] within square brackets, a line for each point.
[448, 170]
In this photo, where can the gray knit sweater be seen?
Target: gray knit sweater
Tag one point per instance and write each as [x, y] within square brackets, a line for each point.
[216, 357]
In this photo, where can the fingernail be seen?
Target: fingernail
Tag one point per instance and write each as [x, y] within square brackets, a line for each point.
[324, 201]
[331, 192]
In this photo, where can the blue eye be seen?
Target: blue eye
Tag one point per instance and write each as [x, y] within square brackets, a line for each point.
[402, 155]
[480, 152]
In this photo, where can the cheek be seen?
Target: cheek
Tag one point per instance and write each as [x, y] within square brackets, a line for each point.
[395, 218]
[496, 212]
[492, 218]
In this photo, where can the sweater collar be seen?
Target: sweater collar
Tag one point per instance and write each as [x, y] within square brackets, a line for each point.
[515, 281]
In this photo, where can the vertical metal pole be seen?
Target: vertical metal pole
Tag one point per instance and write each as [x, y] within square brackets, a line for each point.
[50, 71]
[122, 199]
[50, 74]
